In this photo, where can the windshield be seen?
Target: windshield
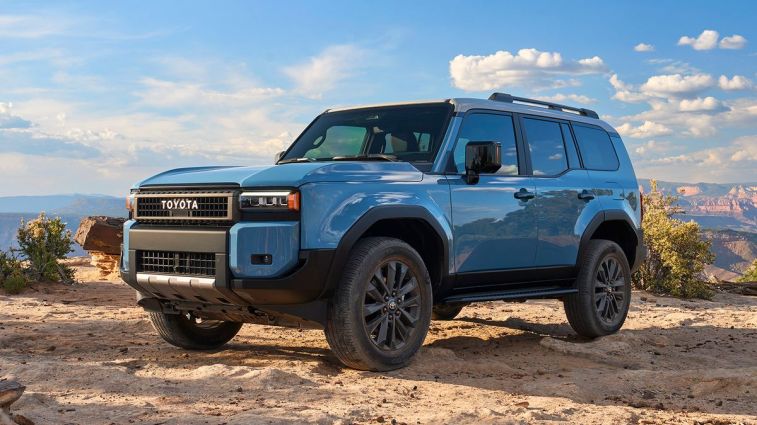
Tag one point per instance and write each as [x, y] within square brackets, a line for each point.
[410, 133]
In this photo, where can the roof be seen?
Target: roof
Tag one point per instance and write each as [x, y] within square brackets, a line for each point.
[463, 105]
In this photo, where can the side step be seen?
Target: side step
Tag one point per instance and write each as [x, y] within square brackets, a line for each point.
[509, 295]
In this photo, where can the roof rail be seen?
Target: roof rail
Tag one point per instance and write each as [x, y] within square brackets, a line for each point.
[504, 97]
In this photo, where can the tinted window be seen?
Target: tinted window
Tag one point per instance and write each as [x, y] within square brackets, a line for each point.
[409, 133]
[596, 148]
[488, 128]
[545, 143]
[570, 146]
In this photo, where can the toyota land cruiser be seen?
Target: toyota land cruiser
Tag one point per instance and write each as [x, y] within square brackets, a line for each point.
[378, 219]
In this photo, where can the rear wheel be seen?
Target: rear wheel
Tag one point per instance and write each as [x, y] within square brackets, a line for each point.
[380, 314]
[604, 291]
[193, 333]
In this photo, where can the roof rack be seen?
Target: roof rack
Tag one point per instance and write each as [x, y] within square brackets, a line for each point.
[504, 97]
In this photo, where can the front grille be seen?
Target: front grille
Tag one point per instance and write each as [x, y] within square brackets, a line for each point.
[183, 207]
[177, 263]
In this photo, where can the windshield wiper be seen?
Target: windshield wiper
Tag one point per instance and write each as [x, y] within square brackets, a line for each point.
[290, 160]
[369, 157]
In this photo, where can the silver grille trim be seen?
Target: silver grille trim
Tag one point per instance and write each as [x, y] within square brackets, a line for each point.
[211, 206]
[168, 281]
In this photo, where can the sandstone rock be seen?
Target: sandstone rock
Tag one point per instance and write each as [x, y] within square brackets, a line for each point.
[102, 234]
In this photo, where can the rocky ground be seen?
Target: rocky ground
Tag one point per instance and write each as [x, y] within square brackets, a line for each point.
[88, 356]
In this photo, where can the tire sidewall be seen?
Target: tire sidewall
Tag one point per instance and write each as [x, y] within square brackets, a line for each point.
[389, 251]
[600, 252]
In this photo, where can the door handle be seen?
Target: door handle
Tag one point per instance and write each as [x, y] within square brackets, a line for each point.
[523, 194]
[586, 195]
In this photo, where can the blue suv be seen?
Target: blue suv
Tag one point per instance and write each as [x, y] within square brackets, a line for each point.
[378, 219]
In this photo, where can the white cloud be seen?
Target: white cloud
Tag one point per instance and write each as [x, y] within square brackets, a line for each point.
[707, 40]
[644, 47]
[32, 26]
[9, 120]
[699, 104]
[733, 42]
[737, 82]
[677, 85]
[529, 67]
[625, 92]
[645, 130]
[577, 98]
[653, 147]
[162, 93]
[323, 72]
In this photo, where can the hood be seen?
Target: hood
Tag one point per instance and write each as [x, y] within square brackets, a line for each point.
[287, 175]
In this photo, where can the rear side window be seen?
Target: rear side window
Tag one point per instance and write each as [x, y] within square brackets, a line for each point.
[480, 127]
[596, 148]
[545, 143]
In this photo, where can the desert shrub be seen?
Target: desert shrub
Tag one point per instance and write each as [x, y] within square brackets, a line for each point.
[750, 274]
[10, 269]
[15, 282]
[42, 242]
[677, 252]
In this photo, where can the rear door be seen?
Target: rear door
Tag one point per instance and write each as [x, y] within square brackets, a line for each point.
[563, 190]
[494, 229]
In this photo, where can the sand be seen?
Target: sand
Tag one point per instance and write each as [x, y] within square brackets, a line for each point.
[89, 356]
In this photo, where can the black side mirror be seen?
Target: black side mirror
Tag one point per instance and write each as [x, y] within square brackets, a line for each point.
[481, 157]
[277, 157]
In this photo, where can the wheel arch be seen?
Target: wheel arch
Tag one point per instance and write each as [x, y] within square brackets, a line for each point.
[616, 226]
[414, 225]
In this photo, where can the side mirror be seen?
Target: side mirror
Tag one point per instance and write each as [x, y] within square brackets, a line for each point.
[481, 157]
[277, 157]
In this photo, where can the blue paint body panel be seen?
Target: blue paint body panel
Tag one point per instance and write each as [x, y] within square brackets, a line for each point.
[279, 239]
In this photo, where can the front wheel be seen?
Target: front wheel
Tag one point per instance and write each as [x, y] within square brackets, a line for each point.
[192, 333]
[380, 314]
[604, 291]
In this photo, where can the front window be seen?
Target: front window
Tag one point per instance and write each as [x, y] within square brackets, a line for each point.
[411, 133]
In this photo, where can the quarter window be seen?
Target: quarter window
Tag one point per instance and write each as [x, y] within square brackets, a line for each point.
[596, 148]
[480, 127]
[546, 146]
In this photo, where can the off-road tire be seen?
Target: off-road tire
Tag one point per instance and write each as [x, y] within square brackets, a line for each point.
[446, 311]
[585, 309]
[349, 317]
[185, 332]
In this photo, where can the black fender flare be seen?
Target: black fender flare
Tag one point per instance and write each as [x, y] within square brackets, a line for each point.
[612, 215]
[373, 216]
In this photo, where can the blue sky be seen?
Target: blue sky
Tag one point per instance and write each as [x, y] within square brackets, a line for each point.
[97, 95]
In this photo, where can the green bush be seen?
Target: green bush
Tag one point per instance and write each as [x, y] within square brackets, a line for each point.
[42, 243]
[15, 282]
[750, 274]
[677, 253]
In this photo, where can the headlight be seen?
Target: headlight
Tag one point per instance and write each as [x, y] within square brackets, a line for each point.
[270, 201]
[130, 204]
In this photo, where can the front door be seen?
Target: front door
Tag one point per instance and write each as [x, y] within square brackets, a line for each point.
[494, 220]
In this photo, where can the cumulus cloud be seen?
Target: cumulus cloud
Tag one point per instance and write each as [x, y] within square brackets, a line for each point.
[645, 130]
[737, 82]
[527, 67]
[677, 85]
[653, 147]
[9, 120]
[708, 40]
[707, 104]
[321, 73]
[733, 42]
[625, 92]
[644, 47]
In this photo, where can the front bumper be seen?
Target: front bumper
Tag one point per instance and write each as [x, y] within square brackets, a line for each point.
[305, 282]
